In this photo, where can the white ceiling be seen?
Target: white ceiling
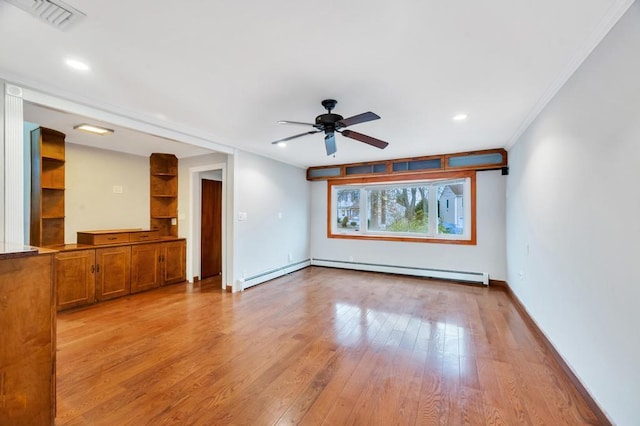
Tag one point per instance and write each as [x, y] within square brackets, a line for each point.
[228, 71]
[122, 139]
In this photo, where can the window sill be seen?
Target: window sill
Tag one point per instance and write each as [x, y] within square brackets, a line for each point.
[469, 242]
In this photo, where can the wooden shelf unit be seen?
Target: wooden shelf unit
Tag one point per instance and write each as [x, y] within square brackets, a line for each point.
[47, 187]
[164, 194]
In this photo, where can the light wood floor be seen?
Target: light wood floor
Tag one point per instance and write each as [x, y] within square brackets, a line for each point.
[319, 346]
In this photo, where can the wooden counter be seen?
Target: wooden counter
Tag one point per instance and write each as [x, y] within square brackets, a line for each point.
[86, 274]
[27, 323]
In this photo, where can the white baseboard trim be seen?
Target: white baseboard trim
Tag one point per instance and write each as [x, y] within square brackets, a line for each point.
[272, 273]
[478, 277]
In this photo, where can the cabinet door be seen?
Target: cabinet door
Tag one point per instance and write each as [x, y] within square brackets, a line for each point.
[113, 272]
[74, 278]
[145, 267]
[174, 262]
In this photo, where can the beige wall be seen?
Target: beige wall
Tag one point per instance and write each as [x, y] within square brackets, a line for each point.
[90, 203]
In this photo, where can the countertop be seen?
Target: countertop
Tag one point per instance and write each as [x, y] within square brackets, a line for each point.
[12, 250]
[74, 247]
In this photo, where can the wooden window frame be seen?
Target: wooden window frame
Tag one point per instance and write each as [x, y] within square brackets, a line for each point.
[341, 170]
[405, 177]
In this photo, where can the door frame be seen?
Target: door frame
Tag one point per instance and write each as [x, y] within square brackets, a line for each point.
[195, 221]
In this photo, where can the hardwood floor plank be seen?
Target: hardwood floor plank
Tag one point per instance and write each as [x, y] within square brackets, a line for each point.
[318, 346]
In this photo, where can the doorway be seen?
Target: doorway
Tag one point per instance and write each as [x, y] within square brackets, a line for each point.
[211, 229]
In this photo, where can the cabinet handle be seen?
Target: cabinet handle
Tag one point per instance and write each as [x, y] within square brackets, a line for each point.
[159, 258]
[112, 238]
[98, 267]
[93, 268]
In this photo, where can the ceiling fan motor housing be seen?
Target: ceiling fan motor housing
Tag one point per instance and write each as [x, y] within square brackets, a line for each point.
[328, 122]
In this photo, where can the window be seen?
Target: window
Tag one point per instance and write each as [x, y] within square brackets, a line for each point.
[435, 207]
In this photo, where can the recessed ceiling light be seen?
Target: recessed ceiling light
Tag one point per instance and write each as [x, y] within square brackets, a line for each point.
[96, 130]
[77, 65]
[459, 117]
[281, 144]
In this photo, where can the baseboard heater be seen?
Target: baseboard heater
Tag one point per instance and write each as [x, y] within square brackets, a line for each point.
[477, 277]
[273, 273]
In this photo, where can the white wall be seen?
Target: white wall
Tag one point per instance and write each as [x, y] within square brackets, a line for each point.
[90, 202]
[580, 278]
[487, 256]
[264, 189]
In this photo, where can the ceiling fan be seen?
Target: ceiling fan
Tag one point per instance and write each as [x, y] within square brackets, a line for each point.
[330, 123]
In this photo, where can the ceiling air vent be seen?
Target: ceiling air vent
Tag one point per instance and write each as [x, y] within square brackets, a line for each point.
[55, 13]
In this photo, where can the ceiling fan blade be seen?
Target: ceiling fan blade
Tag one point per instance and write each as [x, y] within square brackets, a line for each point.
[330, 143]
[294, 122]
[364, 138]
[360, 118]
[295, 136]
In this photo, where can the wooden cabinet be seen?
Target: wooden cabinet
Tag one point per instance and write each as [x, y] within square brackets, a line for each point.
[145, 267]
[74, 278]
[113, 272]
[164, 194]
[83, 277]
[174, 262]
[27, 351]
[157, 264]
[47, 187]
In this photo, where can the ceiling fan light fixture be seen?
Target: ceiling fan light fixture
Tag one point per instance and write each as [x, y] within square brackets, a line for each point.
[90, 128]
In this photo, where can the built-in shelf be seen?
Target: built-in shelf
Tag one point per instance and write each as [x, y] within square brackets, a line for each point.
[164, 194]
[47, 187]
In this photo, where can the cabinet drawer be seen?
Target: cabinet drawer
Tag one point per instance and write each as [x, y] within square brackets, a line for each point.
[99, 239]
[144, 236]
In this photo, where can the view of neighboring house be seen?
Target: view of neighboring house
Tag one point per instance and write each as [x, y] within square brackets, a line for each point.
[450, 209]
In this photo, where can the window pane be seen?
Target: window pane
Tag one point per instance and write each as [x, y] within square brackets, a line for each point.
[402, 209]
[451, 208]
[348, 209]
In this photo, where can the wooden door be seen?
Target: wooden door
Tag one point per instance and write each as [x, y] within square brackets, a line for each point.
[113, 272]
[145, 267]
[74, 278]
[211, 229]
[174, 262]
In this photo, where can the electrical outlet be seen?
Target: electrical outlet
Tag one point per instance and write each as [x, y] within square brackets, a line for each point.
[350, 258]
[290, 257]
[117, 189]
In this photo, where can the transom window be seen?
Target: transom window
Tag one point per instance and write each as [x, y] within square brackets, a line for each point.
[436, 207]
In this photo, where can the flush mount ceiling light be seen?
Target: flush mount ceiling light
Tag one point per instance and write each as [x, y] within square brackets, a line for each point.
[96, 130]
[77, 65]
[281, 144]
[459, 117]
